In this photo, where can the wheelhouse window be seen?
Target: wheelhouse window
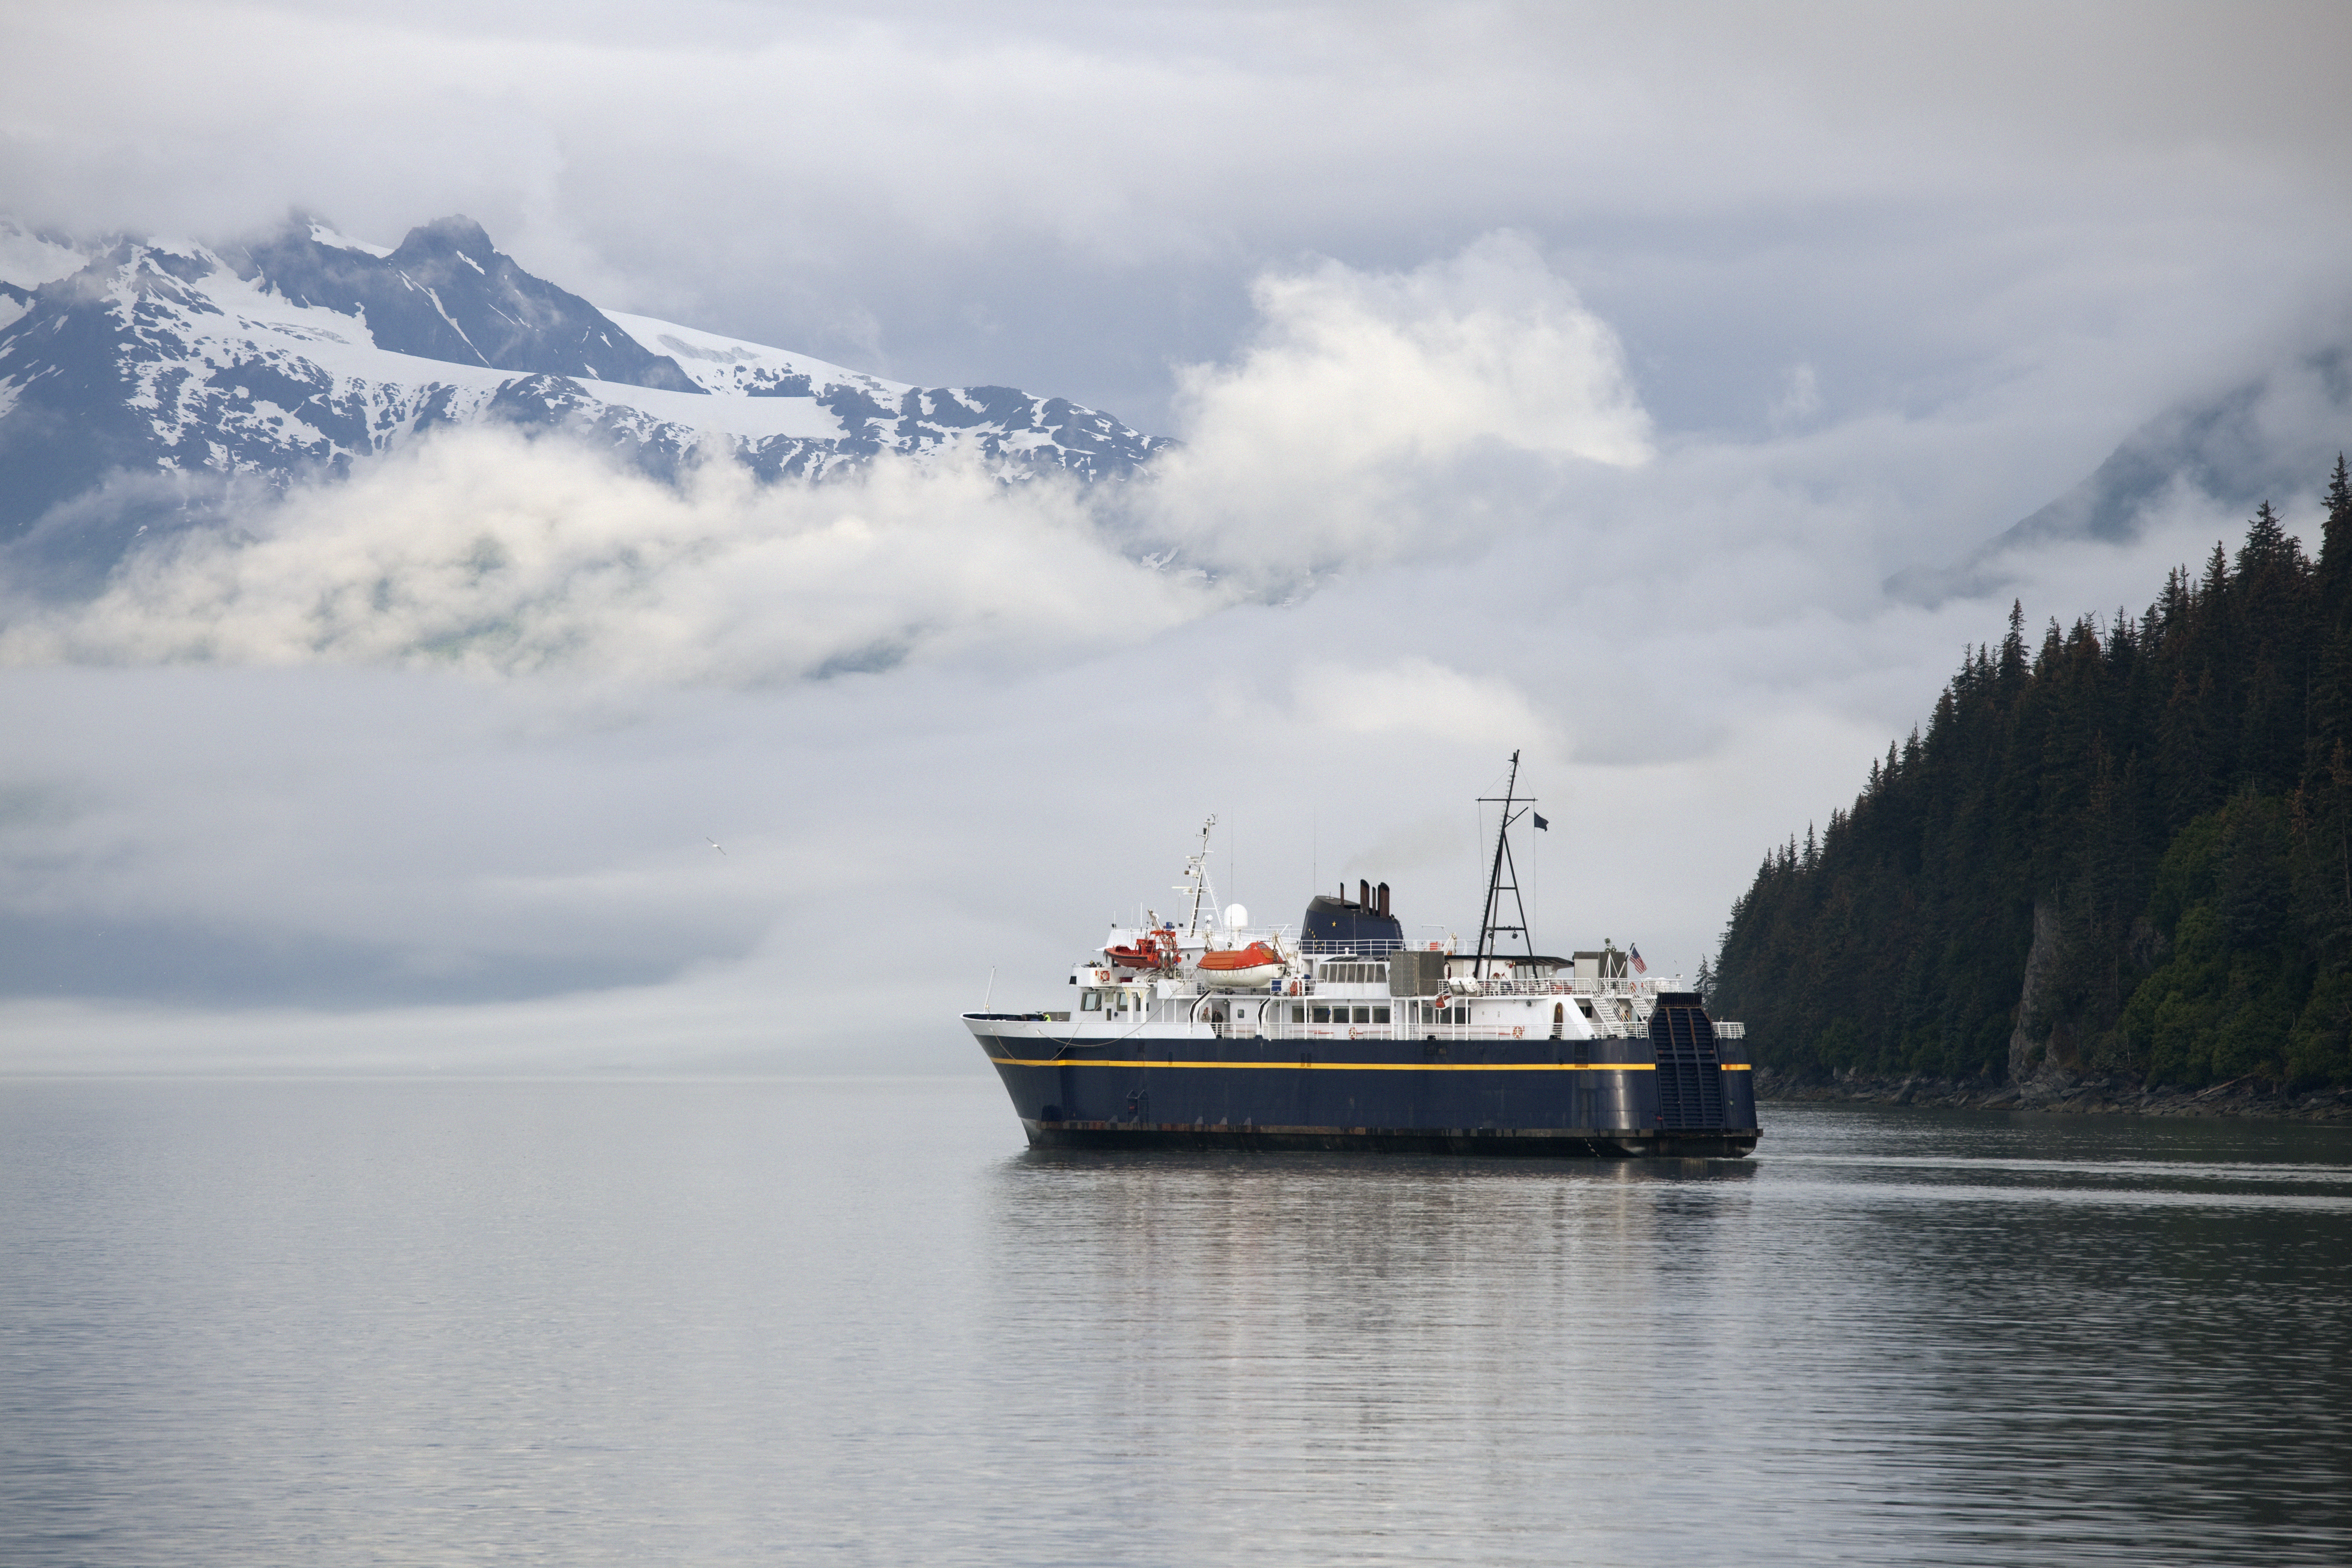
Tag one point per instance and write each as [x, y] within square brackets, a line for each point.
[1090, 1001]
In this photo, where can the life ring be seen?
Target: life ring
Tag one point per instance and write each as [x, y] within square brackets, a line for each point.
[1441, 1000]
[1519, 1031]
[1355, 1034]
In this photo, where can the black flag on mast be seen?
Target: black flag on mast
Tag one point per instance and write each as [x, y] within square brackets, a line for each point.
[1540, 823]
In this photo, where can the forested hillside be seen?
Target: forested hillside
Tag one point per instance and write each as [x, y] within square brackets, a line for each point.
[2128, 850]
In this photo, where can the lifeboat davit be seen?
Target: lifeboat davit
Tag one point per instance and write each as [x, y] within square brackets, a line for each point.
[1241, 968]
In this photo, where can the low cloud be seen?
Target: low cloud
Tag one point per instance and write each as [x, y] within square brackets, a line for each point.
[1418, 697]
[1347, 433]
[484, 552]
[463, 726]
[1799, 399]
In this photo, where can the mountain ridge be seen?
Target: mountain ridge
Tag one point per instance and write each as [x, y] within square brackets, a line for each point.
[447, 293]
[2256, 440]
[141, 380]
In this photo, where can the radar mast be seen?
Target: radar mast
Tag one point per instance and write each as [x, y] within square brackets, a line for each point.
[1505, 876]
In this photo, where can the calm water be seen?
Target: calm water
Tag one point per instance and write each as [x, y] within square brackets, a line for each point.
[710, 1323]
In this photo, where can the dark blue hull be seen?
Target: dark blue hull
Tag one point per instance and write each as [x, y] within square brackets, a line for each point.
[1546, 1098]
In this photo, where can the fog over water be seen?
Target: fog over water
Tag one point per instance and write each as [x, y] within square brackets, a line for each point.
[1560, 379]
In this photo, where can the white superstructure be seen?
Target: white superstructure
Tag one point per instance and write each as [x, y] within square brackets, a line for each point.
[1158, 980]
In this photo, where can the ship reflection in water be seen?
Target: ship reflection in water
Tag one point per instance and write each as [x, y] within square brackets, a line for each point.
[1943, 1338]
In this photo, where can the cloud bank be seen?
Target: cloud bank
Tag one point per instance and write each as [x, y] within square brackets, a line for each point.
[446, 744]
[1357, 429]
[488, 553]
[1369, 407]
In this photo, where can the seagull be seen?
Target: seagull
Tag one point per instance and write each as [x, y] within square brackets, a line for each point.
[714, 844]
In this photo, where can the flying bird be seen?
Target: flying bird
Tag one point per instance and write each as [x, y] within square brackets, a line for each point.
[714, 844]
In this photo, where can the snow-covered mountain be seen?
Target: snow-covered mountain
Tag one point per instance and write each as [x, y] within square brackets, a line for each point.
[137, 373]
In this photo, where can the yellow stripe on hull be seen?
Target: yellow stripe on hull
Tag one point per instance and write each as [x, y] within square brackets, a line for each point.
[1346, 1067]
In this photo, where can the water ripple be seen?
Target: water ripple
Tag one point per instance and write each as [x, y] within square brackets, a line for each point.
[849, 1322]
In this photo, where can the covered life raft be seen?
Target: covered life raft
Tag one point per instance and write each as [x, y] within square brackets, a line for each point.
[1241, 968]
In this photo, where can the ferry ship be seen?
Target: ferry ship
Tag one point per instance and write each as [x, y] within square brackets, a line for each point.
[1338, 1034]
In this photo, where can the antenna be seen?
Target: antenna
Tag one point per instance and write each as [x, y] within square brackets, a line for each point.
[1490, 925]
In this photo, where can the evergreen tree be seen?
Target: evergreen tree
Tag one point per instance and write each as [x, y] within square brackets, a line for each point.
[2335, 546]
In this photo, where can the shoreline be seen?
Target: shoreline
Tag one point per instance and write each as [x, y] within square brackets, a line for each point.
[2068, 1094]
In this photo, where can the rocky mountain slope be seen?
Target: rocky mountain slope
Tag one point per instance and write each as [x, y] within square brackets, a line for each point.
[141, 377]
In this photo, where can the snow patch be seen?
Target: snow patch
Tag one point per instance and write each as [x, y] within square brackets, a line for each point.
[325, 236]
[723, 364]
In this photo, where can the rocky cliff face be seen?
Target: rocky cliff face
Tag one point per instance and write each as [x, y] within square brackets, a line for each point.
[448, 294]
[2030, 1043]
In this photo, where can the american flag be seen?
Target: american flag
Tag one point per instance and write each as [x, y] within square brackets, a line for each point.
[1633, 952]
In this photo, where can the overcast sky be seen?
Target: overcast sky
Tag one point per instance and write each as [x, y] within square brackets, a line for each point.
[1559, 377]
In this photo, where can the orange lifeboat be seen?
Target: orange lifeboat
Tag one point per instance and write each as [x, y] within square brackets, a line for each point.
[1240, 969]
[1150, 951]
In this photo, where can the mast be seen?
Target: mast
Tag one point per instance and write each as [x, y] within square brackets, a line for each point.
[1490, 925]
[1196, 877]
